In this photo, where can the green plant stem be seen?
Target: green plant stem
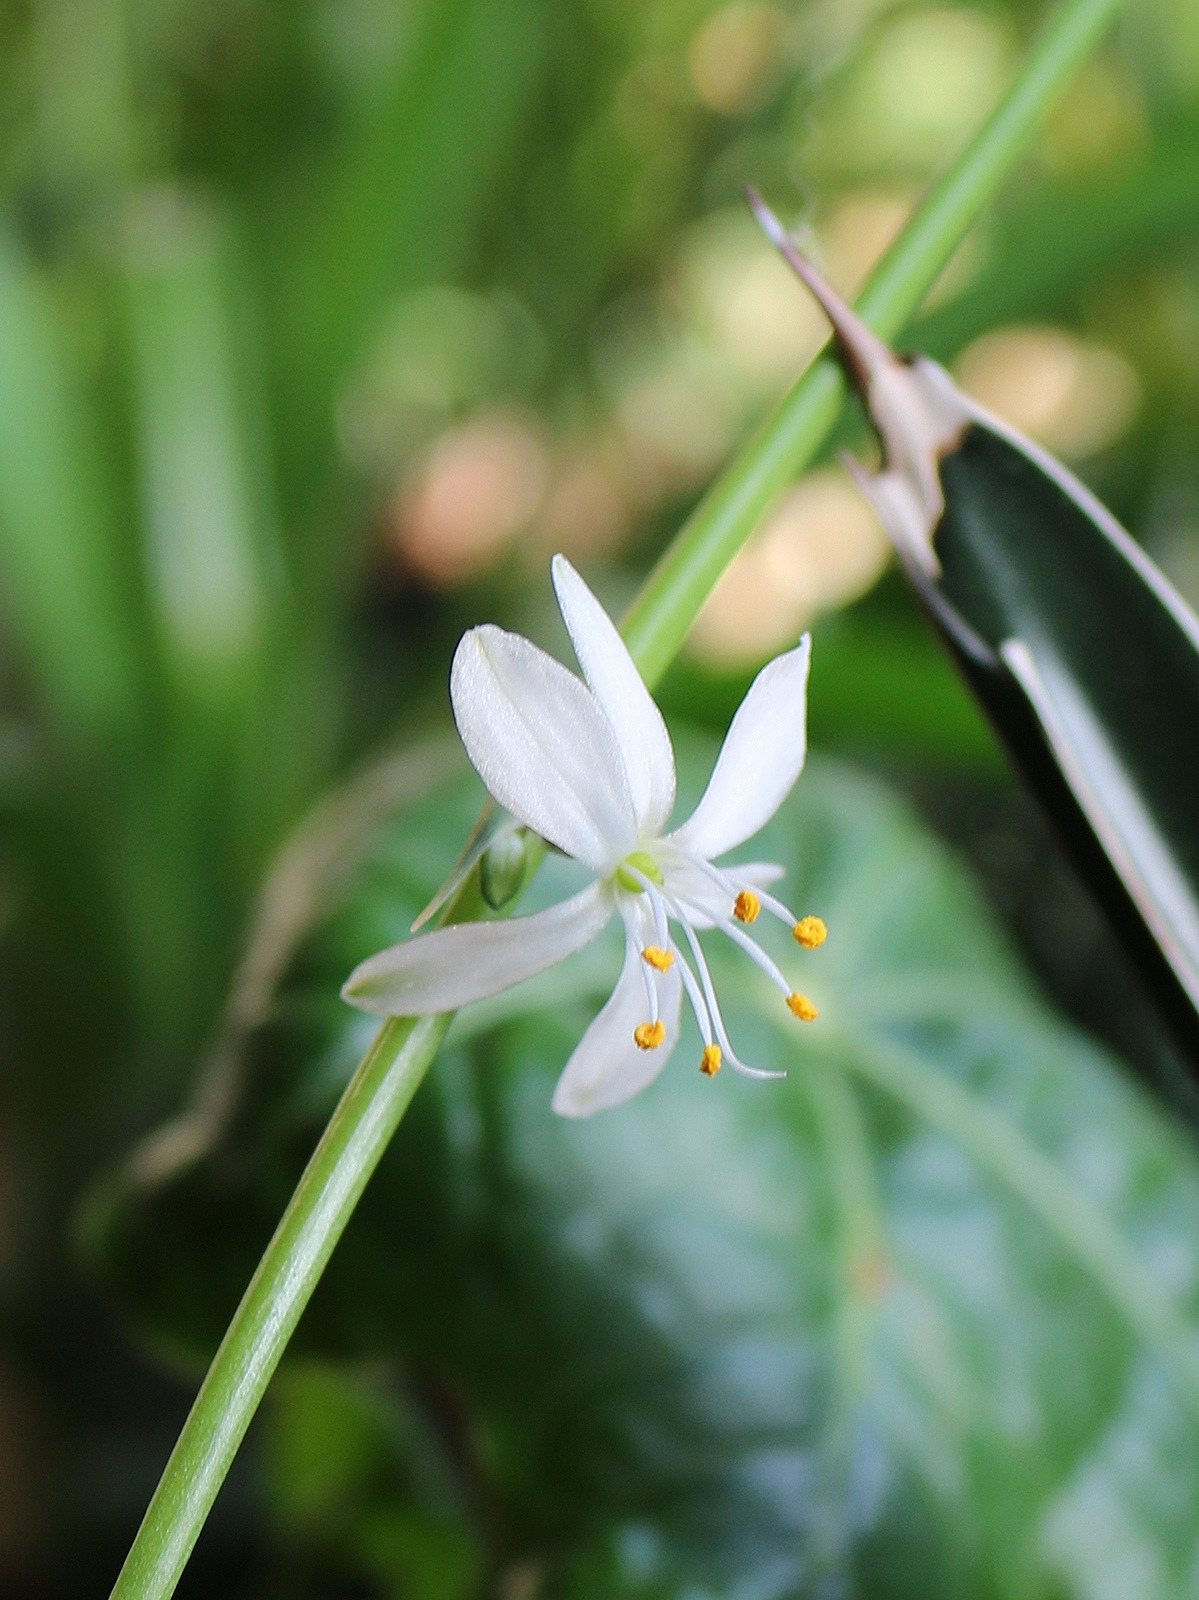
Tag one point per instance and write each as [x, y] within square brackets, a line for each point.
[1080, 1225]
[655, 628]
[660, 617]
[357, 1135]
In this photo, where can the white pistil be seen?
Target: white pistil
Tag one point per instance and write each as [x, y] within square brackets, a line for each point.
[705, 978]
[703, 1021]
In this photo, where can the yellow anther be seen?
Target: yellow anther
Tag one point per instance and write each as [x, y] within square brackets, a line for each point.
[710, 1065]
[654, 956]
[800, 1006]
[811, 932]
[747, 906]
[649, 1035]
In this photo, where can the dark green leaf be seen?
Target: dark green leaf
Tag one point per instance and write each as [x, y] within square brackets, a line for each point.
[1101, 707]
[1082, 653]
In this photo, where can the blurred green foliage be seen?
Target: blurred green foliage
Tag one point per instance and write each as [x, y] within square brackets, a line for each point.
[286, 295]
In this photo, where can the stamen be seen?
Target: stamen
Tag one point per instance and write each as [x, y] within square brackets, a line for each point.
[710, 1065]
[713, 1005]
[810, 932]
[649, 1035]
[644, 884]
[757, 955]
[647, 972]
[703, 1021]
[651, 991]
[777, 909]
[720, 879]
[705, 978]
[800, 1006]
[661, 960]
[759, 898]
[747, 907]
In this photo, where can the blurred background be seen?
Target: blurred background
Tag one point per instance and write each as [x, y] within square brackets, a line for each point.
[322, 326]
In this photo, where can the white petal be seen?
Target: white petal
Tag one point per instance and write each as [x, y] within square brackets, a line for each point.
[762, 756]
[542, 745]
[756, 874]
[627, 703]
[450, 967]
[607, 1066]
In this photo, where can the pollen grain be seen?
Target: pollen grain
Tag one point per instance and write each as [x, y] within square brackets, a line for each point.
[800, 1006]
[649, 1035]
[710, 1065]
[747, 906]
[654, 956]
[810, 932]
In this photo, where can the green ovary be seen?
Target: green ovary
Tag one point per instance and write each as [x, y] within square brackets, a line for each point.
[642, 863]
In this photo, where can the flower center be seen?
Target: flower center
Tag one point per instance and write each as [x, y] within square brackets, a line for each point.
[641, 862]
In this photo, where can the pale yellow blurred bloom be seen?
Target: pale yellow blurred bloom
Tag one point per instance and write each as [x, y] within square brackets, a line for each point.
[1073, 396]
[821, 547]
[733, 54]
[587, 507]
[479, 485]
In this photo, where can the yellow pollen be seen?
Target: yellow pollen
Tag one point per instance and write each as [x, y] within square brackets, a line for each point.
[649, 1035]
[800, 1006]
[654, 956]
[811, 932]
[747, 906]
[710, 1065]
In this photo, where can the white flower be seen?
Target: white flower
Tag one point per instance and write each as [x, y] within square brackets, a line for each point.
[589, 767]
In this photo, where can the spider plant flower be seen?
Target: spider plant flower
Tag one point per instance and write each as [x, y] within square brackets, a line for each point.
[589, 766]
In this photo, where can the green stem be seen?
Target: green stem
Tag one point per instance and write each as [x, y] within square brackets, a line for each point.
[655, 628]
[1069, 1213]
[357, 1135]
[669, 602]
